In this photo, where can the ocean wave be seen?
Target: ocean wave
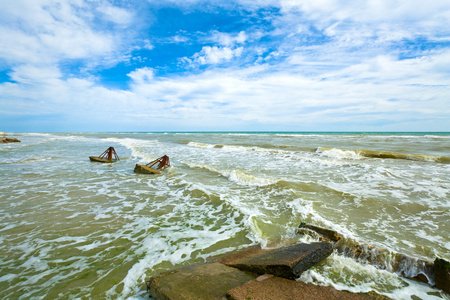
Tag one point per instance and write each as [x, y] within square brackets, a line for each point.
[32, 160]
[200, 145]
[242, 178]
[361, 154]
[139, 148]
[339, 153]
[238, 176]
[361, 278]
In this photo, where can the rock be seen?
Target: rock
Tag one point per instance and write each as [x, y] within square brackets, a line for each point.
[5, 140]
[271, 287]
[330, 235]
[383, 259]
[442, 274]
[288, 262]
[207, 281]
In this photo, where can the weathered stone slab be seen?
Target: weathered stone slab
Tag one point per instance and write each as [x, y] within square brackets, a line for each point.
[288, 262]
[197, 282]
[329, 235]
[442, 274]
[271, 287]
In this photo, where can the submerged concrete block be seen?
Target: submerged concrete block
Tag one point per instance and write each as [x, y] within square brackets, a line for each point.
[197, 282]
[288, 262]
[145, 170]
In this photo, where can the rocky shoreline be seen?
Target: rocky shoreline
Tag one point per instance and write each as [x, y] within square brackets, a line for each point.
[252, 274]
[436, 274]
[257, 274]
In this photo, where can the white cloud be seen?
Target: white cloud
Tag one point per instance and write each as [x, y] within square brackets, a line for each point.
[383, 19]
[147, 45]
[179, 39]
[374, 90]
[31, 74]
[379, 89]
[48, 32]
[227, 39]
[215, 55]
[116, 14]
[141, 76]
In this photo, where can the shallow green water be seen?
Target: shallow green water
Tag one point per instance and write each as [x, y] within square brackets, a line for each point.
[75, 229]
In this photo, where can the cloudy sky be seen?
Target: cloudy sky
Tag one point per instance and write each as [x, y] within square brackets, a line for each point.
[215, 65]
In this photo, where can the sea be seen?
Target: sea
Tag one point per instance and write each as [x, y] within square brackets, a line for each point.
[75, 229]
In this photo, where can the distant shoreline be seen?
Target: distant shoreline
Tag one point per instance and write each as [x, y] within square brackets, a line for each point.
[415, 133]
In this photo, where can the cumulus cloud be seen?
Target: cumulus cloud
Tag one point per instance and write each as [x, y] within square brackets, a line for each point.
[115, 14]
[379, 20]
[227, 39]
[42, 31]
[141, 76]
[216, 55]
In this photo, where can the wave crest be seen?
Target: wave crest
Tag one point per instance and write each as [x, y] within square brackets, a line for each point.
[361, 154]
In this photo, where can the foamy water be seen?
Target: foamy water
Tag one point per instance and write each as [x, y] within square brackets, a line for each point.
[75, 229]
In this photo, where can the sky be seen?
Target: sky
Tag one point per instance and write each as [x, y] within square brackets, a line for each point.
[235, 65]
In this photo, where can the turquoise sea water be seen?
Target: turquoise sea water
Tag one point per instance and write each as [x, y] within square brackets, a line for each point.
[74, 229]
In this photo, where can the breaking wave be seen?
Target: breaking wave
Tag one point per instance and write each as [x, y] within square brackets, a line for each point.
[361, 154]
[237, 176]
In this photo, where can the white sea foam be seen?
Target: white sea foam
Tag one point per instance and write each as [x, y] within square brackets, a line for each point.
[237, 176]
[8, 277]
[200, 145]
[365, 278]
[141, 149]
[243, 178]
[339, 153]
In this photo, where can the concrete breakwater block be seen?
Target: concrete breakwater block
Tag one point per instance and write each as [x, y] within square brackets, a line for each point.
[207, 281]
[145, 170]
[268, 287]
[288, 262]
[323, 234]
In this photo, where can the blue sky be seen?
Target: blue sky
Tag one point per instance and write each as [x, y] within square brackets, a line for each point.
[243, 65]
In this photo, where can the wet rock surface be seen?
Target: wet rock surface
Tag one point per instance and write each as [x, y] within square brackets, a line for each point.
[5, 140]
[322, 233]
[145, 170]
[406, 266]
[206, 281]
[288, 262]
[442, 274]
[269, 287]
[237, 276]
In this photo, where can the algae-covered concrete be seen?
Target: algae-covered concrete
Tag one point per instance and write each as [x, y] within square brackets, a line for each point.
[288, 262]
[207, 281]
[145, 170]
[219, 280]
[100, 160]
